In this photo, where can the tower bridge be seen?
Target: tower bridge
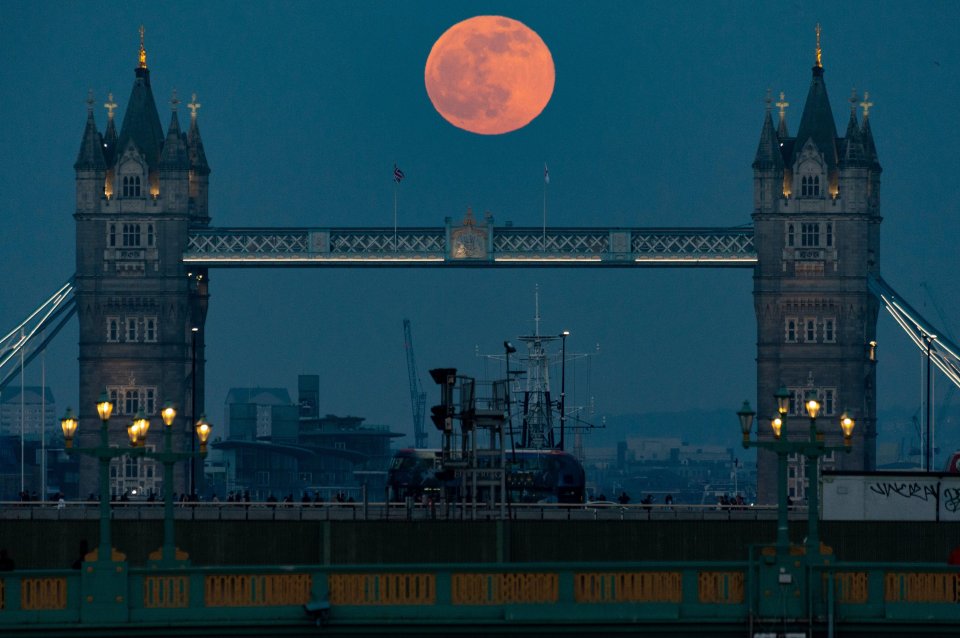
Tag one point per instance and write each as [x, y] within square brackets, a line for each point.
[145, 247]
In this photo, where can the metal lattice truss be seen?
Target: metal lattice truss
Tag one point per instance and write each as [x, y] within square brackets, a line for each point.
[472, 244]
[943, 353]
[22, 344]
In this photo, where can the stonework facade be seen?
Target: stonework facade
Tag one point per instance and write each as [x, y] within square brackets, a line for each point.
[817, 233]
[141, 311]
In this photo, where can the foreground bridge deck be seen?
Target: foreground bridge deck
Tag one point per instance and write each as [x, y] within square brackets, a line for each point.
[730, 598]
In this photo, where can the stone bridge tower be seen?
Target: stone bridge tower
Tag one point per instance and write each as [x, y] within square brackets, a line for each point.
[139, 193]
[816, 216]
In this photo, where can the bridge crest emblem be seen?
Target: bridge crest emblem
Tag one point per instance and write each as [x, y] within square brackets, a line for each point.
[468, 241]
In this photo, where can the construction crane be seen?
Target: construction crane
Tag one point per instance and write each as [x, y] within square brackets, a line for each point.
[418, 398]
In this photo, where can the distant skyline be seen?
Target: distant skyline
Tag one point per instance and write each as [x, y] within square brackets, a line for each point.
[654, 122]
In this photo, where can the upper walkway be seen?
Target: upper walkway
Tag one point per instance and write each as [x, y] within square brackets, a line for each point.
[472, 244]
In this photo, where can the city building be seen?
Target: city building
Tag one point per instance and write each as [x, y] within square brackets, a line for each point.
[273, 446]
[38, 409]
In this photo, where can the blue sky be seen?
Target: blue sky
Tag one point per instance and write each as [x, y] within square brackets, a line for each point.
[654, 121]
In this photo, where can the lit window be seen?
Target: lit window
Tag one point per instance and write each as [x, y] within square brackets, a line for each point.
[131, 329]
[810, 234]
[113, 329]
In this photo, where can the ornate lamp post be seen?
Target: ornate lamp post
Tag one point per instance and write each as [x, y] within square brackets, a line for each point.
[168, 553]
[104, 454]
[813, 447]
[137, 433]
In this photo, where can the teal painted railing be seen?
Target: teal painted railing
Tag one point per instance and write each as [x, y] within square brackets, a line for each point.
[724, 596]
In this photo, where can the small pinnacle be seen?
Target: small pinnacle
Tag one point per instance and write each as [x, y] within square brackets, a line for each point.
[174, 101]
[89, 100]
[782, 105]
[193, 106]
[866, 104]
[110, 105]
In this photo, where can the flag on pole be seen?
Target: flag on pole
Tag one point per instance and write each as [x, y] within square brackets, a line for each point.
[546, 174]
[397, 174]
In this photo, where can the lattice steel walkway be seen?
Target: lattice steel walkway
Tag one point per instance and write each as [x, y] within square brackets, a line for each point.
[472, 244]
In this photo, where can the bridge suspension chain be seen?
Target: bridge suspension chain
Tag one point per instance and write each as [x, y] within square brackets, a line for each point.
[942, 351]
[28, 339]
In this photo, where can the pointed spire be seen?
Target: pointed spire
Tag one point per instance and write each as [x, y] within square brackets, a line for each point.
[141, 123]
[174, 154]
[198, 158]
[90, 156]
[782, 105]
[853, 153]
[817, 123]
[866, 134]
[768, 150]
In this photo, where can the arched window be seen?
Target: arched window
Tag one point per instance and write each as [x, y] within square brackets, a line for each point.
[131, 186]
[790, 235]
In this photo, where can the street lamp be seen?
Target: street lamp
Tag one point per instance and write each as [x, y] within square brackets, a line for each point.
[168, 458]
[563, 384]
[137, 433]
[813, 447]
[104, 454]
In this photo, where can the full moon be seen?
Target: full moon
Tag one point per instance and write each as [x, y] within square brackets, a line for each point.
[489, 75]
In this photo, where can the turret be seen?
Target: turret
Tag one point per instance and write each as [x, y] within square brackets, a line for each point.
[174, 165]
[90, 166]
[853, 161]
[870, 151]
[767, 167]
[199, 169]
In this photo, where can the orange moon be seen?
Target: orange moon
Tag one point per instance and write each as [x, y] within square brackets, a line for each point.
[489, 75]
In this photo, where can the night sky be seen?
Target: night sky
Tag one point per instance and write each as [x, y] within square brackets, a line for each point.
[654, 121]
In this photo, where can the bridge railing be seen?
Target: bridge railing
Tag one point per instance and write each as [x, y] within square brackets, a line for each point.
[495, 594]
[89, 510]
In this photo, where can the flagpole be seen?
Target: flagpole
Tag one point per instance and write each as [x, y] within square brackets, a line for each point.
[396, 184]
[546, 180]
